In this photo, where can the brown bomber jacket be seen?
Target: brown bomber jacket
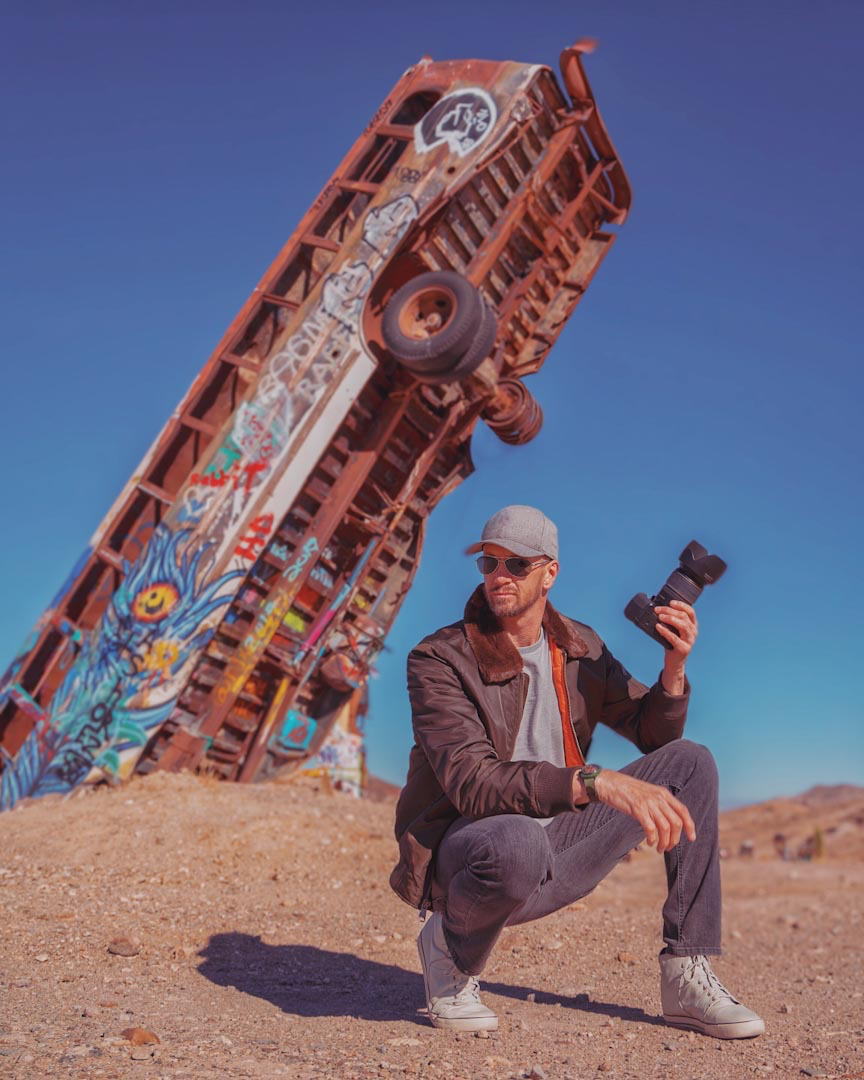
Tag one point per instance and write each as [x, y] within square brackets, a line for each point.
[467, 692]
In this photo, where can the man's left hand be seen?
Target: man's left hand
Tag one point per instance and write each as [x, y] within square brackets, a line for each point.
[677, 623]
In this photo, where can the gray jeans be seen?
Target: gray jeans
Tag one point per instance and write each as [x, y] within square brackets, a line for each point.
[508, 869]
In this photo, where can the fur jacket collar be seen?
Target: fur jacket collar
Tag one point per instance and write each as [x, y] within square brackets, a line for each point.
[497, 656]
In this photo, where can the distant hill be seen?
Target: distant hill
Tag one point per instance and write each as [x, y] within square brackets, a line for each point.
[836, 810]
[824, 795]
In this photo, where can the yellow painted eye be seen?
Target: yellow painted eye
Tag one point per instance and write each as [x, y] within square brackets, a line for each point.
[154, 602]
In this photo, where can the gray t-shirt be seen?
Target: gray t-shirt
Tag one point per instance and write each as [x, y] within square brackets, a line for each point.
[540, 735]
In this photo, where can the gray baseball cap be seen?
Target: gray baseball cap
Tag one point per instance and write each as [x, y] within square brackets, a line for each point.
[524, 530]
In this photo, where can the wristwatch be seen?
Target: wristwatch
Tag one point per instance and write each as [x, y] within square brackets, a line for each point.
[588, 774]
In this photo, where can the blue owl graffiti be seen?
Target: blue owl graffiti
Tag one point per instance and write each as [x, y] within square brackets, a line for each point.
[152, 625]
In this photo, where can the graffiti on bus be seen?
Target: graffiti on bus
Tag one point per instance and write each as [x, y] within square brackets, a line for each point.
[156, 621]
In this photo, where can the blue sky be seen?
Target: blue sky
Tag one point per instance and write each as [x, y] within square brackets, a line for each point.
[708, 386]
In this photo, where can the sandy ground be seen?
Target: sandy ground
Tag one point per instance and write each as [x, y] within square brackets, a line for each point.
[272, 946]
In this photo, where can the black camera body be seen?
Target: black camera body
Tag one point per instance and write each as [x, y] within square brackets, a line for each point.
[696, 570]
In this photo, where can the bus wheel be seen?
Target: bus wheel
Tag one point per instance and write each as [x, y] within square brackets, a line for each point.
[432, 321]
[514, 414]
[476, 353]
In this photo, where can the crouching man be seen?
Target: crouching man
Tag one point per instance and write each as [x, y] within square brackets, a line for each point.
[501, 821]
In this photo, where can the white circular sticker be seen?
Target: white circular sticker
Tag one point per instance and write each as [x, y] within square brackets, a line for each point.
[462, 120]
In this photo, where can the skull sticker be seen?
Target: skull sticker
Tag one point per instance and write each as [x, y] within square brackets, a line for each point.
[462, 120]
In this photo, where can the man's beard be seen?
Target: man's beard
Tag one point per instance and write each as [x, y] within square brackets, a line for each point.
[511, 605]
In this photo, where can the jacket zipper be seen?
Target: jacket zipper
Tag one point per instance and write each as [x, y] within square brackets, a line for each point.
[570, 715]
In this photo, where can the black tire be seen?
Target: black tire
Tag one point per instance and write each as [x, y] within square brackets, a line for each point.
[462, 307]
[475, 355]
[516, 416]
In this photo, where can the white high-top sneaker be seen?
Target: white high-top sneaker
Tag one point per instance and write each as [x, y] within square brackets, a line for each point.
[452, 997]
[693, 997]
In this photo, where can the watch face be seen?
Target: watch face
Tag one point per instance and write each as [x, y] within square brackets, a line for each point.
[591, 770]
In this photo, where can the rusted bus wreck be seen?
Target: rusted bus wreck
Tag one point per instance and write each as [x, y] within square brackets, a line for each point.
[227, 610]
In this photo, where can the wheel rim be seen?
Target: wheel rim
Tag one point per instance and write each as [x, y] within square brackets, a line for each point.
[425, 314]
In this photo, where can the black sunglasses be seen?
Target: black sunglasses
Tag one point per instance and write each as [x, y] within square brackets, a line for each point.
[516, 565]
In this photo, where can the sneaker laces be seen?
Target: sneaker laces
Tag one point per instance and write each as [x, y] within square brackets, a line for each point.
[470, 992]
[699, 970]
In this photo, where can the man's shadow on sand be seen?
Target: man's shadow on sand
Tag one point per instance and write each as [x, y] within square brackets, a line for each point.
[307, 981]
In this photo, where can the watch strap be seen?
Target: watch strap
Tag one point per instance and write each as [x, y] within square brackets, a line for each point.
[588, 774]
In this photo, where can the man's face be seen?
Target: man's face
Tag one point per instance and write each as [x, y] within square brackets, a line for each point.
[511, 596]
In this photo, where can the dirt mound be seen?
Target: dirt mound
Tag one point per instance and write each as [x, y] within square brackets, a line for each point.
[251, 931]
[379, 790]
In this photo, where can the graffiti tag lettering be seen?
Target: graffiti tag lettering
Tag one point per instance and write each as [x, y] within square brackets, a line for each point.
[325, 194]
[219, 477]
[76, 762]
[408, 176]
[252, 543]
[256, 433]
[343, 293]
[320, 575]
[386, 224]
[292, 572]
[380, 113]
